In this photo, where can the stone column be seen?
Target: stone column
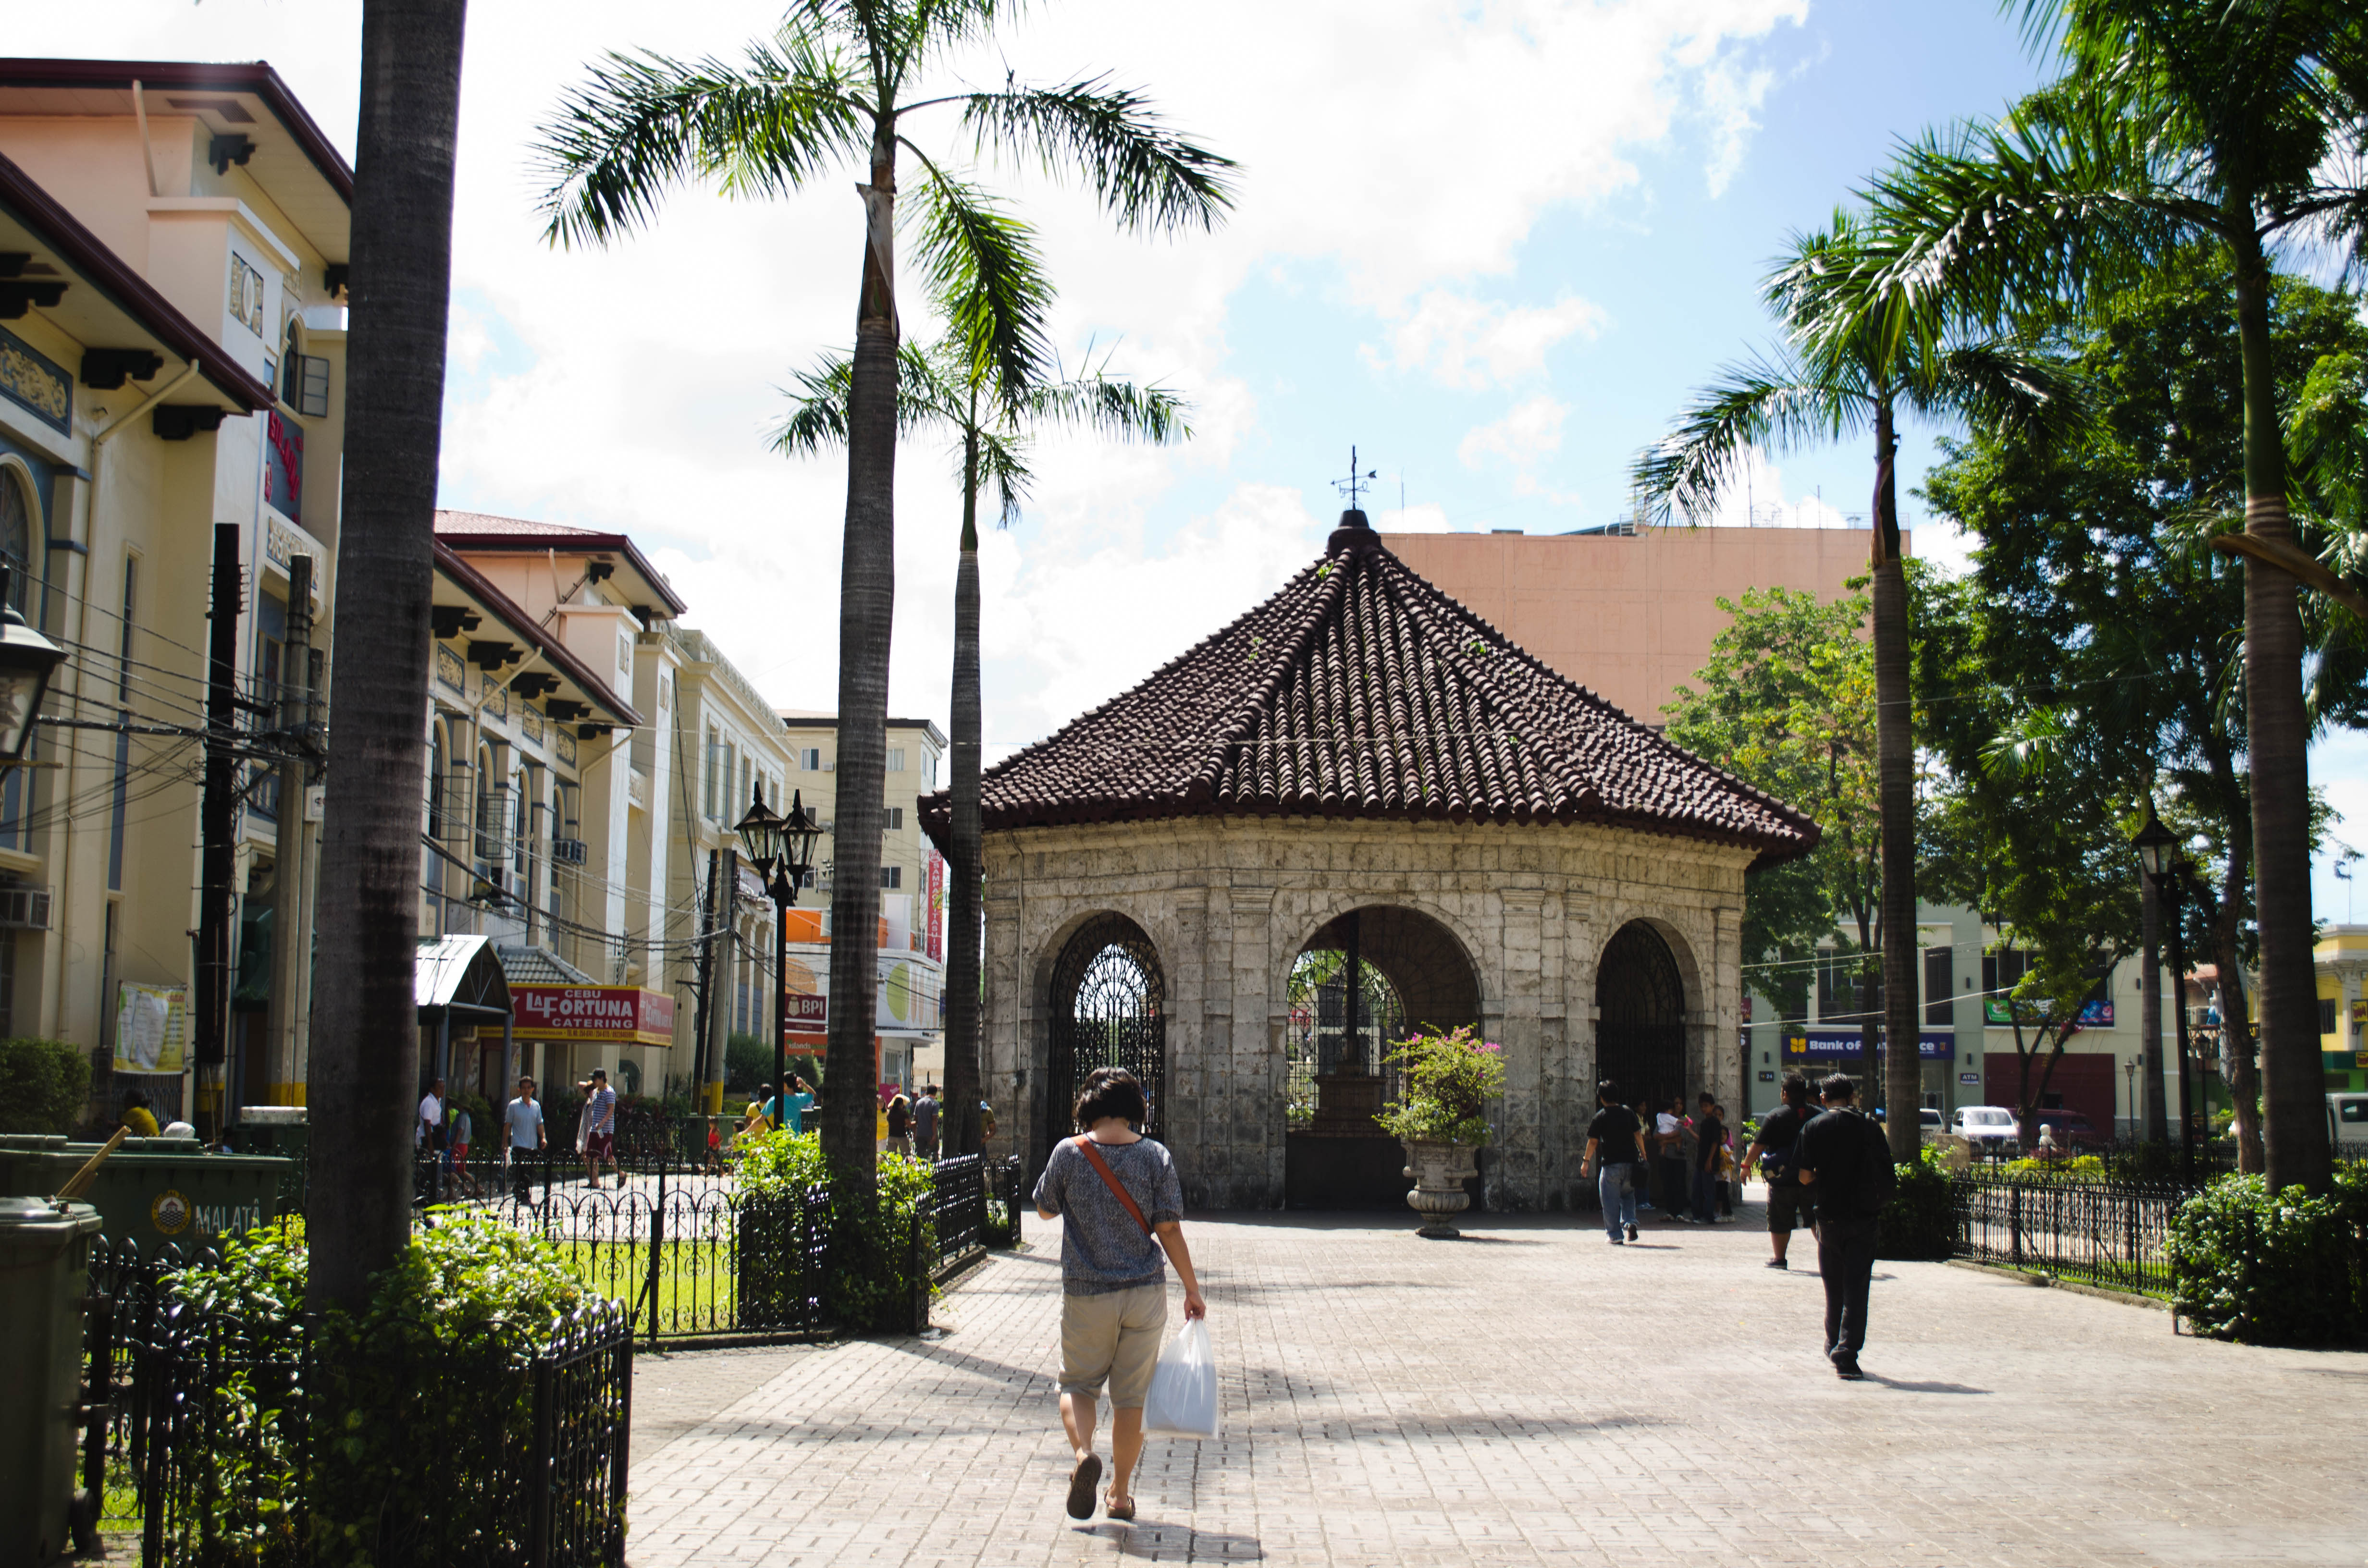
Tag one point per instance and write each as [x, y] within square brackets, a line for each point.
[1512, 991]
[1246, 1157]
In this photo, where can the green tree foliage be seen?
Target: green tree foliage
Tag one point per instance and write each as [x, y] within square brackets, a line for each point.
[1787, 704]
[1451, 1076]
[44, 1085]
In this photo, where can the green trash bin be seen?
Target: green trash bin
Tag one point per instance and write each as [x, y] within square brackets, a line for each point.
[44, 1276]
[153, 1192]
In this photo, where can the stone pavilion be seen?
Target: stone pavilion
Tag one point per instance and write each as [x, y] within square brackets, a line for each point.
[1356, 810]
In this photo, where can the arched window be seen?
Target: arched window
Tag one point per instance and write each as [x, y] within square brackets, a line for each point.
[17, 533]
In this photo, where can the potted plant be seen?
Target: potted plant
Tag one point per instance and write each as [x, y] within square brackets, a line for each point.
[1442, 1116]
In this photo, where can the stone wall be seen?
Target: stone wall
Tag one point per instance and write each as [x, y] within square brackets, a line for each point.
[1229, 903]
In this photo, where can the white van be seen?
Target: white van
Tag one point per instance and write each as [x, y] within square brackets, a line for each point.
[2347, 1118]
[1985, 1126]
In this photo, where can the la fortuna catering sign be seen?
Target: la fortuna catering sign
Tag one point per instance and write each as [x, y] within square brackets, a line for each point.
[618, 1015]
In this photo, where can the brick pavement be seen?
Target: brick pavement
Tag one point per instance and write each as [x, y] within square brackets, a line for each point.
[1524, 1395]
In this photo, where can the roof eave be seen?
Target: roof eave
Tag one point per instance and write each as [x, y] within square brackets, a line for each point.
[478, 587]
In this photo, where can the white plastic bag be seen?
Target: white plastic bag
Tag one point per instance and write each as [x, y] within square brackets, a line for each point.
[1183, 1399]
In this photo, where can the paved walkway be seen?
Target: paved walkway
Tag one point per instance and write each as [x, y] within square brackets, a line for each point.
[1528, 1394]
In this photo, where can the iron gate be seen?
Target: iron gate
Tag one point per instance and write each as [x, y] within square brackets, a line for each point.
[1109, 1010]
[1640, 1033]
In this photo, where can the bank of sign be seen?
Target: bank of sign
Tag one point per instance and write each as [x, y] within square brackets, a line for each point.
[1838, 1045]
[616, 1015]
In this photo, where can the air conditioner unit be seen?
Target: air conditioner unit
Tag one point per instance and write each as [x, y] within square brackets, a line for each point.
[24, 909]
[567, 851]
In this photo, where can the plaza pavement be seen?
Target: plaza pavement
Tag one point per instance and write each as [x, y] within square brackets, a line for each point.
[1527, 1394]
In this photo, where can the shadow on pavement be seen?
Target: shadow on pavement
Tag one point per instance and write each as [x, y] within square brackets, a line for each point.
[1176, 1543]
[1921, 1388]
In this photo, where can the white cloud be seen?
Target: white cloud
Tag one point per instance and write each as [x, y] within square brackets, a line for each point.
[1731, 98]
[1472, 344]
[1531, 431]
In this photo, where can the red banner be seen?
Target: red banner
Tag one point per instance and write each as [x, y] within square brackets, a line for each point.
[618, 1015]
[937, 907]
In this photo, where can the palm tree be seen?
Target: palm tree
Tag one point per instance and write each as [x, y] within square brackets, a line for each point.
[2236, 122]
[1852, 365]
[833, 86]
[946, 388]
[365, 1057]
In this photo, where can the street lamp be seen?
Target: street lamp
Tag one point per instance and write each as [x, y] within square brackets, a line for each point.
[781, 849]
[2157, 847]
[27, 659]
[2159, 857]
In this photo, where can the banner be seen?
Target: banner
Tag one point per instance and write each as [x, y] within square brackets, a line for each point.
[613, 1015]
[2093, 1015]
[937, 894]
[152, 1028]
[1842, 1045]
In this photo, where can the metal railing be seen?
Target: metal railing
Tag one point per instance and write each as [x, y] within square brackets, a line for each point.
[2108, 1233]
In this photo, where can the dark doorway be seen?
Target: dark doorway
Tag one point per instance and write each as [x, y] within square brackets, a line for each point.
[1108, 1009]
[1640, 1032]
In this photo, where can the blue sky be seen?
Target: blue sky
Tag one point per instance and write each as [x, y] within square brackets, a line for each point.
[1492, 243]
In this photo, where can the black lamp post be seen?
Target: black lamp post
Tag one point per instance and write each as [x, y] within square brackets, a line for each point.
[27, 659]
[781, 849]
[2158, 849]
[2156, 846]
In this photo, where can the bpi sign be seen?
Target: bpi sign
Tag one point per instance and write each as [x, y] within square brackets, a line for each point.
[617, 1015]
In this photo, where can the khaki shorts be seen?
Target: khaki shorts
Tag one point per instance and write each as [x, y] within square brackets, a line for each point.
[1113, 1336]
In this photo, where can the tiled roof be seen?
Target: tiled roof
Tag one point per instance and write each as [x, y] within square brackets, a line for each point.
[487, 523]
[539, 966]
[1360, 690]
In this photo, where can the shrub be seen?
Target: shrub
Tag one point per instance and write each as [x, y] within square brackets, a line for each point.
[44, 1085]
[418, 1408]
[1449, 1079]
[1920, 1220]
[870, 1281]
[747, 1062]
[2273, 1269]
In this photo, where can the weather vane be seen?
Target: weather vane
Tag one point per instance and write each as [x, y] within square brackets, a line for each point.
[1351, 485]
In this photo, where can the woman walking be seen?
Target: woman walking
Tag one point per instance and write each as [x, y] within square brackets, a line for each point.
[1120, 1203]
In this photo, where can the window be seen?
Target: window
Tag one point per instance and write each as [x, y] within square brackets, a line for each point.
[892, 819]
[2002, 970]
[714, 750]
[1940, 986]
[929, 769]
[895, 759]
[2327, 1016]
[1844, 993]
[17, 536]
[892, 877]
[811, 759]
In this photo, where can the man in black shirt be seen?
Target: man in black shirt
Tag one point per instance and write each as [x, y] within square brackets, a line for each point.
[1789, 1203]
[1615, 1148]
[1832, 1154]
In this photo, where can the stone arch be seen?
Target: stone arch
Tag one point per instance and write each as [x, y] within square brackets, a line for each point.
[1105, 990]
[1642, 1004]
[1415, 987]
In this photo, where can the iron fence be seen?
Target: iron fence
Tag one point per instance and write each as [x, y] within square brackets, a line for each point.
[2112, 1235]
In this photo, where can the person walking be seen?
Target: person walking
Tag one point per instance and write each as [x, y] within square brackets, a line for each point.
[793, 1103]
[600, 1128]
[1789, 1203]
[522, 1119]
[1670, 1159]
[1615, 1147]
[1122, 1206]
[1710, 1142]
[465, 1129]
[428, 1133]
[900, 1125]
[925, 1122]
[1844, 1156]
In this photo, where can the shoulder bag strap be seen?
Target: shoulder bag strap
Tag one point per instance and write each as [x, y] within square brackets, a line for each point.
[1094, 1156]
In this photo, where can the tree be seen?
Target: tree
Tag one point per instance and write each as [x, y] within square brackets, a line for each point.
[1856, 360]
[2232, 123]
[835, 86]
[947, 390]
[2094, 579]
[1787, 705]
[365, 1057]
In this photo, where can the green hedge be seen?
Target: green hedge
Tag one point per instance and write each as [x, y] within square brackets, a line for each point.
[872, 1281]
[2274, 1268]
[1920, 1220]
[44, 1085]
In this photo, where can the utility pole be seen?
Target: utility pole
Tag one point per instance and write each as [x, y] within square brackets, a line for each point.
[705, 985]
[718, 948]
[217, 813]
[291, 943]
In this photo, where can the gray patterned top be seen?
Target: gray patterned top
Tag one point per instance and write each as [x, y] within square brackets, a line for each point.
[1102, 1249]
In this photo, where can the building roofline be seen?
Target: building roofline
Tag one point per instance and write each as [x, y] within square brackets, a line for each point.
[791, 721]
[502, 542]
[542, 642]
[131, 293]
[254, 76]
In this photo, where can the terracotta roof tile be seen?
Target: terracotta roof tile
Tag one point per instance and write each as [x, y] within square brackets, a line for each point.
[1362, 691]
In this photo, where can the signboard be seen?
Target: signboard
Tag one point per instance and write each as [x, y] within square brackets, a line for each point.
[152, 1028]
[284, 464]
[907, 999]
[614, 1015]
[2093, 1015]
[808, 1014]
[937, 894]
[1969, 1077]
[1843, 1045]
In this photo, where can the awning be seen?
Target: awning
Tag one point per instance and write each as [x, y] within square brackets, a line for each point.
[460, 974]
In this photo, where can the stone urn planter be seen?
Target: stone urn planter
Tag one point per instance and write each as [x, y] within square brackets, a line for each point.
[1440, 1171]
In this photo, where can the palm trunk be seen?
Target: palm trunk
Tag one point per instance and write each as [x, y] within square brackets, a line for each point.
[867, 602]
[1894, 746]
[2294, 1147]
[962, 934]
[365, 1034]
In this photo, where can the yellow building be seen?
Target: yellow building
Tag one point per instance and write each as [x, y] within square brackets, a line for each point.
[2341, 959]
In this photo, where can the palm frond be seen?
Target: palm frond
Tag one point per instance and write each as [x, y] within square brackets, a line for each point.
[1003, 470]
[981, 268]
[1114, 406]
[1146, 173]
[1752, 404]
[2001, 385]
[817, 416]
[644, 123]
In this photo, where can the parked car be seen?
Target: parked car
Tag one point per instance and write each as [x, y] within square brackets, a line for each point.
[2347, 1120]
[1989, 1128]
[1929, 1120]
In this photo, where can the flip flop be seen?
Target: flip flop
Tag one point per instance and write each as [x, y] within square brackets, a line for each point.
[1082, 1481]
[1118, 1510]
